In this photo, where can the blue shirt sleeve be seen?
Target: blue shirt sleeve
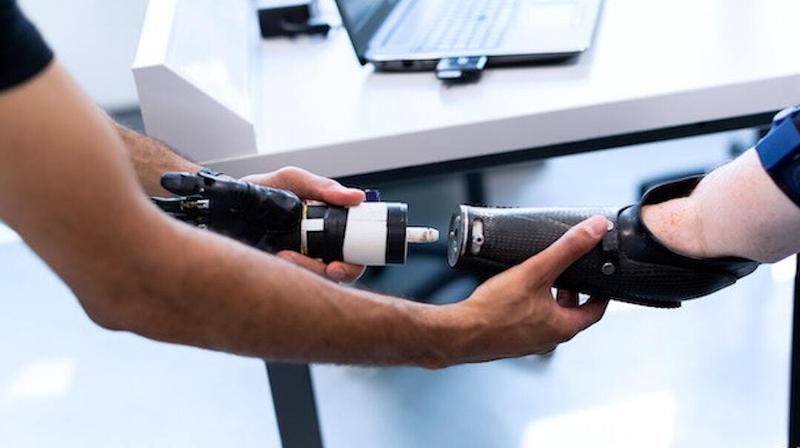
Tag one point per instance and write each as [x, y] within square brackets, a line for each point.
[779, 152]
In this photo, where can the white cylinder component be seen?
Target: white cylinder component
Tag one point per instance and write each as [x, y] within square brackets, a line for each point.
[365, 238]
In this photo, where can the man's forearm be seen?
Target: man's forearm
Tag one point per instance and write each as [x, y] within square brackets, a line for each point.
[300, 317]
[736, 210]
[222, 295]
[151, 159]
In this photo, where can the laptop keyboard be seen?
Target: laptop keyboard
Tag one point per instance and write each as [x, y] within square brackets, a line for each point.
[466, 25]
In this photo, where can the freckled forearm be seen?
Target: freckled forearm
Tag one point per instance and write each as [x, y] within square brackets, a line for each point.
[735, 211]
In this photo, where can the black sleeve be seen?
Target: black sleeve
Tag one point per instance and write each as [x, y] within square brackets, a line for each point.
[23, 52]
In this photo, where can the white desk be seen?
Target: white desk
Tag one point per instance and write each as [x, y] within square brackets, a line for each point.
[210, 88]
[654, 65]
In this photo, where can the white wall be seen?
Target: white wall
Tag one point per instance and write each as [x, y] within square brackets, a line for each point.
[96, 40]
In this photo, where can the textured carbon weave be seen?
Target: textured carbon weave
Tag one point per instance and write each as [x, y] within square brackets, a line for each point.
[513, 235]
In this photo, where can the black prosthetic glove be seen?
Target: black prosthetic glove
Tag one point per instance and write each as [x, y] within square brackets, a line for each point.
[266, 218]
[630, 265]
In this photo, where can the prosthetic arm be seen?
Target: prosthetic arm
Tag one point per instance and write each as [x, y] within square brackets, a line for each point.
[634, 265]
[629, 265]
[372, 234]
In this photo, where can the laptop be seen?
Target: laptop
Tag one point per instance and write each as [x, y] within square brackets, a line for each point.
[404, 35]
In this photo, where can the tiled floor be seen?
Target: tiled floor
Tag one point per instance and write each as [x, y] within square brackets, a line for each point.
[712, 374]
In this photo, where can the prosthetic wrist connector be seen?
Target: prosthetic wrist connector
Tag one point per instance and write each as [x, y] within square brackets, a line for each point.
[274, 220]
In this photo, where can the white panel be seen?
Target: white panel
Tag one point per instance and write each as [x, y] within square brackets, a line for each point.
[215, 44]
[184, 117]
[198, 105]
[156, 33]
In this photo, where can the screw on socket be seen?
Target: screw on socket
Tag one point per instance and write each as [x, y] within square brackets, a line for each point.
[609, 269]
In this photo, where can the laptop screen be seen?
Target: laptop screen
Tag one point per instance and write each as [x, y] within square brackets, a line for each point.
[362, 18]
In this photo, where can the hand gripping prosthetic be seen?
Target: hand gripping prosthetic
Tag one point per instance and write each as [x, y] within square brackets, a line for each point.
[630, 265]
[273, 220]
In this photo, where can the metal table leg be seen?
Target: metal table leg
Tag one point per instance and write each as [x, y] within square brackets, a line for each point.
[292, 389]
[295, 406]
[794, 394]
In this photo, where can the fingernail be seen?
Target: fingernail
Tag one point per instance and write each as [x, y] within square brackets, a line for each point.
[342, 189]
[337, 274]
[288, 256]
[597, 226]
[355, 190]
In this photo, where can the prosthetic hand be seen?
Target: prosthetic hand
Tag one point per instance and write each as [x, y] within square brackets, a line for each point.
[630, 265]
[273, 220]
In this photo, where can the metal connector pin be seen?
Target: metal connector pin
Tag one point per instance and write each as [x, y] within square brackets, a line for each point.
[422, 235]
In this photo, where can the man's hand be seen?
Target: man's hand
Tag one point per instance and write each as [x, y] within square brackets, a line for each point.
[515, 314]
[315, 188]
